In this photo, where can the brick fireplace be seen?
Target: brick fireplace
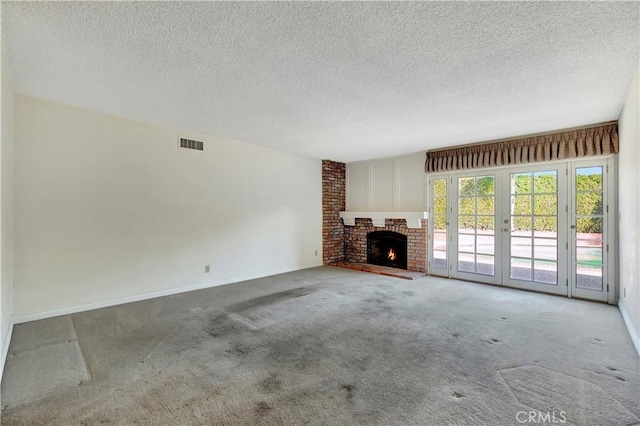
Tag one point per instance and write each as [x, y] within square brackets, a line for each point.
[347, 241]
[355, 238]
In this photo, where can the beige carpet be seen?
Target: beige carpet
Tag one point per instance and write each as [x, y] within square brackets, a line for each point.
[328, 346]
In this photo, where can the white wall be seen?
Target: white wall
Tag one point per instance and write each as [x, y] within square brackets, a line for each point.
[629, 210]
[109, 210]
[6, 213]
[388, 184]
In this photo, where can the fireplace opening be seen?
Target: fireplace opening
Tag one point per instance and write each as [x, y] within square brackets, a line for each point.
[386, 248]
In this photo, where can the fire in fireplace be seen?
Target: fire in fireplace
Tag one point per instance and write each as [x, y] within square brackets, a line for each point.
[386, 248]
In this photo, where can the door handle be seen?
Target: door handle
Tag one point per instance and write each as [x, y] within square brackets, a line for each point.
[573, 227]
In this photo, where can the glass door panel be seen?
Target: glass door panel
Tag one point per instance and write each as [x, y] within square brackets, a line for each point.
[475, 217]
[532, 235]
[438, 259]
[588, 231]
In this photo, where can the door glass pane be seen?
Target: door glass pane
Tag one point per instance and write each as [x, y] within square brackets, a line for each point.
[439, 259]
[545, 226]
[485, 264]
[466, 224]
[520, 247]
[466, 243]
[589, 243]
[545, 182]
[521, 183]
[545, 272]
[485, 244]
[589, 204]
[439, 188]
[545, 249]
[485, 206]
[440, 223]
[589, 279]
[466, 187]
[485, 223]
[440, 241]
[589, 267]
[588, 228]
[486, 185]
[521, 225]
[545, 205]
[440, 206]
[466, 262]
[521, 204]
[467, 206]
[521, 269]
[589, 179]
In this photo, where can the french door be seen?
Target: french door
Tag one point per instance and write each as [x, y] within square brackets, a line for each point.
[534, 236]
[540, 228]
[590, 231]
[474, 224]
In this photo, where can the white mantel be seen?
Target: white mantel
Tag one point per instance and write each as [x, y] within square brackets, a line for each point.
[414, 219]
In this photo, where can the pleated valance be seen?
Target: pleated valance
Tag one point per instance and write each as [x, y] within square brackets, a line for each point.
[601, 139]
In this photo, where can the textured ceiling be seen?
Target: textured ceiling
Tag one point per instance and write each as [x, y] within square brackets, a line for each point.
[344, 81]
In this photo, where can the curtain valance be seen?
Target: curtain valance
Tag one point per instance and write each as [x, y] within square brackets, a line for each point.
[601, 139]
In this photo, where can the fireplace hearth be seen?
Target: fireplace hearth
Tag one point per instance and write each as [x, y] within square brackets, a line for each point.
[387, 248]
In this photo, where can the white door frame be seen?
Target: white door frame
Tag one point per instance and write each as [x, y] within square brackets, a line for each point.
[609, 290]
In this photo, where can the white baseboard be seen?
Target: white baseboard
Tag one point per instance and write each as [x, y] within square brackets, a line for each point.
[635, 336]
[5, 347]
[19, 319]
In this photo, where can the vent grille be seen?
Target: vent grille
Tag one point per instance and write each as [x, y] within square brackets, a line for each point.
[191, 144]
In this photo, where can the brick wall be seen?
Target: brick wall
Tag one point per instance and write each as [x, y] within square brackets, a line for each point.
[356, 241]
[333, 202]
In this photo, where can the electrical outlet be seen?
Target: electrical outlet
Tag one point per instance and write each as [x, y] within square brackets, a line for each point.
[316, 252]
[207, 269]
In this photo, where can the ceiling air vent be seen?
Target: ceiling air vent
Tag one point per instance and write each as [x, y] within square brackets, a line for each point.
[191, 144]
